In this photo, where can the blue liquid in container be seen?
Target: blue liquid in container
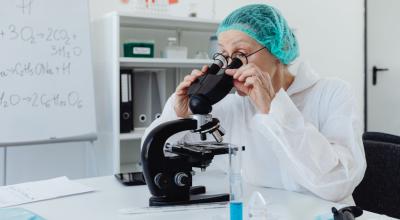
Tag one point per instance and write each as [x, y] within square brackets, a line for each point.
[236, 210]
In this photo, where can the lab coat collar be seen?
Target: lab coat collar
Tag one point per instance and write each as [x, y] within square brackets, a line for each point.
[305, 77]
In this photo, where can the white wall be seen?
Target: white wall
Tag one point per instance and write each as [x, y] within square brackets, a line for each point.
[330, 33]
[27, 163]
[2, 160]
[331, 36]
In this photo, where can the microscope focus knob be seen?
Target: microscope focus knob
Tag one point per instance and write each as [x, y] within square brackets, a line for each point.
[181, 179]
[160, 180]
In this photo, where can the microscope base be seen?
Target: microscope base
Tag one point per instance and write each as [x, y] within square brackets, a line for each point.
[196, 190]
[194, 199]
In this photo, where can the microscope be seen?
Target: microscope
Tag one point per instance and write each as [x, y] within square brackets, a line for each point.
[169, 178]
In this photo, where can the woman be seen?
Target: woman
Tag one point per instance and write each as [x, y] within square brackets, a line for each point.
[301, 132]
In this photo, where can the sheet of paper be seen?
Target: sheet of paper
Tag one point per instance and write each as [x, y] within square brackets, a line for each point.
[195, 207]
[40, 190]
[177, 208]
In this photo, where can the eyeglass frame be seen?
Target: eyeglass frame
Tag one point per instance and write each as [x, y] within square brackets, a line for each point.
[229, 58]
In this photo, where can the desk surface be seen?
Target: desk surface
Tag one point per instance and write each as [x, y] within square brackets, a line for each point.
[112, 196]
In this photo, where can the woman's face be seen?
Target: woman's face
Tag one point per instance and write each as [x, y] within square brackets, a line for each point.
[234, 41]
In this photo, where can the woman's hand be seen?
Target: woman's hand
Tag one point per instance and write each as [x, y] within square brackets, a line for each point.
[181, 97]
[250, 80]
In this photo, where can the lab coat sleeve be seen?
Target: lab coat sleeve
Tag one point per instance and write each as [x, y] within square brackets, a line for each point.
[329, 161]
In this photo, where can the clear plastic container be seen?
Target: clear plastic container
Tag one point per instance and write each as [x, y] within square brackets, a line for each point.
[174, 51]
[257, 207]
[201, 55]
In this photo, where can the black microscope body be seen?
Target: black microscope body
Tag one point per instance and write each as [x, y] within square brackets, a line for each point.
[169, 178]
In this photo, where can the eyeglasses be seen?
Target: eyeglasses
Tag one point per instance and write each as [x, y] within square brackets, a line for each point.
[226, 60]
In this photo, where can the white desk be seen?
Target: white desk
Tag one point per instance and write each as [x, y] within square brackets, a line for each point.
[112, 196]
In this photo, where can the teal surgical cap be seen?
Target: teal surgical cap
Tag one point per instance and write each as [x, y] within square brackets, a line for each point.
[267, 26]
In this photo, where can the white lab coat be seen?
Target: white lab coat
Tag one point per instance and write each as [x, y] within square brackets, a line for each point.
[309, 142]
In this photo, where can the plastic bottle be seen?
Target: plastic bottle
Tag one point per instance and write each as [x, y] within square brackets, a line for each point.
[173, 50]
[193, 9]
[257, 207]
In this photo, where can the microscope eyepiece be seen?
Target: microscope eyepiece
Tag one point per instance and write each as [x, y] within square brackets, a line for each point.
[220, 60]
[211, 88]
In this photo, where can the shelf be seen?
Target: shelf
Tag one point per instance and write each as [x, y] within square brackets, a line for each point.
[109, 33]
[167, 22]
[162, 62]
[135, 135]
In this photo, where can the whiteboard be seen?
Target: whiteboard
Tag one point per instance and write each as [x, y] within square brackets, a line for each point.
[46, 79]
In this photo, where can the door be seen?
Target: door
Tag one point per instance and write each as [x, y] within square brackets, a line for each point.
[383, 66]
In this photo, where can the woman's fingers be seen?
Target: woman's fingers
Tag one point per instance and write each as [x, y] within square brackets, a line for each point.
[189, 78]
[204, 69]
[181, 89]
[230, 72]
[183, 85]
[193, 76]
[243, 69]
[201, 72]
[236, 72]
[241, 87]
[196, 72]
[248, 73]
[250, 81]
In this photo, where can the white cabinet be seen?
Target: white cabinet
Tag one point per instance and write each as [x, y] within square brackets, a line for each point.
[155, 78]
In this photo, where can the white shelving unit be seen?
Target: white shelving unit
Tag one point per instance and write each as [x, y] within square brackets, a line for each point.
[120, 152]
[134, 135]
[162, 62]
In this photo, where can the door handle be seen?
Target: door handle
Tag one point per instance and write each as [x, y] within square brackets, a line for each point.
[374, 73]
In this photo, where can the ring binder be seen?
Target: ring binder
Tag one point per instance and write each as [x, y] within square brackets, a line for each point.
[126, 102]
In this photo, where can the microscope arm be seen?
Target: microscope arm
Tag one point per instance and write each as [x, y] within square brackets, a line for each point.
[152, 155]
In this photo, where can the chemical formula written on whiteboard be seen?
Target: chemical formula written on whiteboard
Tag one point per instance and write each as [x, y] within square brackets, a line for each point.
[69, 99]
[60, 42]
[25, 6]
[39, 69]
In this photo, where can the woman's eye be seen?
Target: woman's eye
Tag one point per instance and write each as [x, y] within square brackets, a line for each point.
[238, 55]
